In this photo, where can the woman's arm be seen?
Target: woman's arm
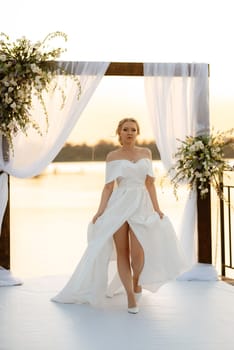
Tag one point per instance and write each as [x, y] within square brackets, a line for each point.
[106, 193]
[149, 183]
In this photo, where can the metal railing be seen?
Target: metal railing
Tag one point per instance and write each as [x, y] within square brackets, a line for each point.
[226, 223]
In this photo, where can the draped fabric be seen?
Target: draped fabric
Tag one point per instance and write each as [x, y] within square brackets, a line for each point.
[177, 98]
[32, 153]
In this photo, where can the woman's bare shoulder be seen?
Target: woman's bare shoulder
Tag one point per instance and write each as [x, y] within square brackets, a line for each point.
[113, 155]
[145, 152]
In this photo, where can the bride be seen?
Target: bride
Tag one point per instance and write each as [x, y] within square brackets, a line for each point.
[147, 250]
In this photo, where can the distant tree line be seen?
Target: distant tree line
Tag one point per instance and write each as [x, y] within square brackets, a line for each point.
[228, 151]
[98, 152]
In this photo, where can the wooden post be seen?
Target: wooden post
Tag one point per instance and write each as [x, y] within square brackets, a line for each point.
[5, 235]
[204, 229]
[222, 228]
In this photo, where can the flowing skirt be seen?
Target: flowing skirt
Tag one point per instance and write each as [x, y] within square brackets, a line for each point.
[163, 258]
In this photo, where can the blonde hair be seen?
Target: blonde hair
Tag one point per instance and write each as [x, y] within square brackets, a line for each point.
[121, 123]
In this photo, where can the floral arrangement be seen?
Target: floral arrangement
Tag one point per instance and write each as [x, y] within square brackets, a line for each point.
[200, 162]
[26, 69]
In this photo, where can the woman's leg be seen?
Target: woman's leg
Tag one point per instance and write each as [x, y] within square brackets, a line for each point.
[137, 260]
[121, 239]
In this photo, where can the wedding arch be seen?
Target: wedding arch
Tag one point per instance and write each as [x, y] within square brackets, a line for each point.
[177, 97]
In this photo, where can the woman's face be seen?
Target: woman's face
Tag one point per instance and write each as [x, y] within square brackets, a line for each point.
[128, 132]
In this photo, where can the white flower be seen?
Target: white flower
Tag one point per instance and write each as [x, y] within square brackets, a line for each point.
[11, 125]
[197, 174]
[7, 99]
[193, 148]
[35, 68]
[13, 105]
[199, 145]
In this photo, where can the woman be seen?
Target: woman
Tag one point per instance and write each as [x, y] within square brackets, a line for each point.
[147, 250]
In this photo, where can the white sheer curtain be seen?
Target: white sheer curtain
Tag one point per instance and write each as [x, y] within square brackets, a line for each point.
[34, 152]
[177, 97]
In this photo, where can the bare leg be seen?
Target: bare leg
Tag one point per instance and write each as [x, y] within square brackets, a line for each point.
[121, 239]
[137, 260]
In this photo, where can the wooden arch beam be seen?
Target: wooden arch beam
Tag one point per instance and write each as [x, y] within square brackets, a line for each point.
[125, 68]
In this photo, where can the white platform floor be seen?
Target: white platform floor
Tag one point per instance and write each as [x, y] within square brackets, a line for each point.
[181, 315]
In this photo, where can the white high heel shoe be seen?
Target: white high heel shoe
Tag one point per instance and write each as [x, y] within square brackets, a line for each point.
[133, 310]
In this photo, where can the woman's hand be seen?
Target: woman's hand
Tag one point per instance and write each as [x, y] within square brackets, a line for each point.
[106, 193]
[96, 216]
[160, 213]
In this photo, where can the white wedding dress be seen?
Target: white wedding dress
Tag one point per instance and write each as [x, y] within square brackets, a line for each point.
[130, 201]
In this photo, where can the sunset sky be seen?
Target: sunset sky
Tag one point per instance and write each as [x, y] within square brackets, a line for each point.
[133, 30]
